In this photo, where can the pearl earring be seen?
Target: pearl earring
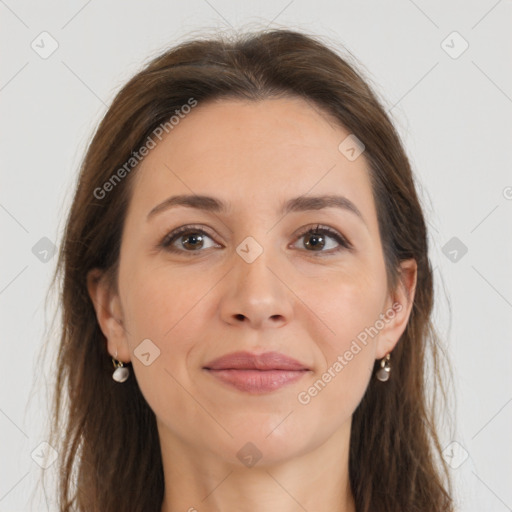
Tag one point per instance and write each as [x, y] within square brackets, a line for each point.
[385, 369]
[121, 373]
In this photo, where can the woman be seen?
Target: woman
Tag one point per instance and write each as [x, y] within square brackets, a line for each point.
[246, 294]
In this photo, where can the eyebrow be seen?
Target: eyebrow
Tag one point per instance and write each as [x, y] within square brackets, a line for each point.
[296, 204]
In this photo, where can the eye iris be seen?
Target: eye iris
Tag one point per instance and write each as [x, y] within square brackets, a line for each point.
[193, 236]
[315, 237]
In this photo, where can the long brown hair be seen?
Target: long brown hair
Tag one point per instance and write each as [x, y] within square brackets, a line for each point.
[105, 433]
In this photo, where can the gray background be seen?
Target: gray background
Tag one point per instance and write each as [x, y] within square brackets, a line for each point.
[452, 109]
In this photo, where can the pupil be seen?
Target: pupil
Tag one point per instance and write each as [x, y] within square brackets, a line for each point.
[193, 238]
[313, 241]
[315, 244]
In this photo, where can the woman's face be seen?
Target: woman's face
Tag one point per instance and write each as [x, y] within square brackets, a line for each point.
[247, 278]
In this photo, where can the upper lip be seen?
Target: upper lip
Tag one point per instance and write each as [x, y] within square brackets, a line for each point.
[248, 361]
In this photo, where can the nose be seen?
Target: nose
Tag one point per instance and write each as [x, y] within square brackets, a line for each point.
[257, 293]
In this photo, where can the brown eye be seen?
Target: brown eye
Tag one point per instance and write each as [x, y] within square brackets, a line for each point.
[316, 239]
[192, 240]
[189, 239]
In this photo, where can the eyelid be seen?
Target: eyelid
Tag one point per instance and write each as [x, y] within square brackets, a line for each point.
[175, 233]
[342, 240]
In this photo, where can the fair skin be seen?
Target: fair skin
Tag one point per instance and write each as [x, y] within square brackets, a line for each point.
[206, 301]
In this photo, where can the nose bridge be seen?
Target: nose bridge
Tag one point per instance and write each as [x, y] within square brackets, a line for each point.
[254, 292]
[252, 265]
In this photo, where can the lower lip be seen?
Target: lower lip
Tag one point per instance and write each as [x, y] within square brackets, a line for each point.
[258, 381]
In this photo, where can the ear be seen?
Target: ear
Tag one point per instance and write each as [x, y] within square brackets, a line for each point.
[398, 308]
[109, 314]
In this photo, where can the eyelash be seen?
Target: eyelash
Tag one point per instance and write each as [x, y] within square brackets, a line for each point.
[174, 235]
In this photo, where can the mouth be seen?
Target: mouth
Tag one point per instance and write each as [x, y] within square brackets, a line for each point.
[257, 381]
[256, 373]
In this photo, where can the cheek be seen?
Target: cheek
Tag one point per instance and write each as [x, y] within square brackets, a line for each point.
[173, 311]
[159, 307]
[347, 304]
[347, 353]
[350, 307]
[159, 302]
[164, 313]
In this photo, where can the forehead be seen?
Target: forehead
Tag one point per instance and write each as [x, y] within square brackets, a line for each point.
[252, 153]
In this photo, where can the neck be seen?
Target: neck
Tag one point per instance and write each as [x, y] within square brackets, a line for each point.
[197, 481]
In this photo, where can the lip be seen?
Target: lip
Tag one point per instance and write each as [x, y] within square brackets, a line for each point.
[256, 373]
[248, 361]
